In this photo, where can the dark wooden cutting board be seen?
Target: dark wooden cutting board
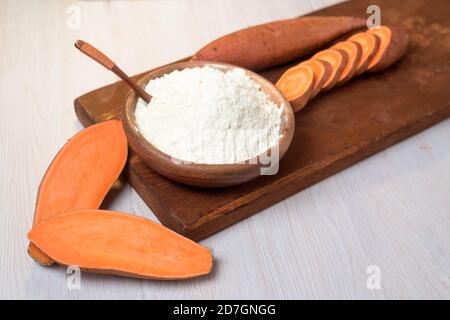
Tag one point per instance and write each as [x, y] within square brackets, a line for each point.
[334, 131]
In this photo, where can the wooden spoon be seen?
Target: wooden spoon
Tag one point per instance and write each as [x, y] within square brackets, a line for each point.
[101, 58]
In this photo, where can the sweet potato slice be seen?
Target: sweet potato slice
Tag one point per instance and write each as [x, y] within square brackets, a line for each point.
[370, 45]
[296, 84]
[322, 72]
[266, 45]
[120, 244]
[81, 174]
[393, 45]
[338, 60]
[354, 52]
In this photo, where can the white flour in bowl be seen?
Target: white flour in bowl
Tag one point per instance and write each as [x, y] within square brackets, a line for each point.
[205, 115]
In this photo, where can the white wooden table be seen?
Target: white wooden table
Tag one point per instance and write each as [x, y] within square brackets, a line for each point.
[391, 211]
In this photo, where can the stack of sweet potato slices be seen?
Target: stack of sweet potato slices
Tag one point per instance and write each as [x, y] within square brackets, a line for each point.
[371, 51]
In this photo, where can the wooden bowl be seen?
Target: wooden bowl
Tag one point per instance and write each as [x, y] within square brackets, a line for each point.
[205, 175]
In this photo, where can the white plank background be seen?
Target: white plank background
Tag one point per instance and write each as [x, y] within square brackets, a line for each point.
[392, 210]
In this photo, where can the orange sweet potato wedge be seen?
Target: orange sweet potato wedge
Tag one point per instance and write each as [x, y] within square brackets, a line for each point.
[393, 46]
[267, 45]
[120, 244]
[81, 174]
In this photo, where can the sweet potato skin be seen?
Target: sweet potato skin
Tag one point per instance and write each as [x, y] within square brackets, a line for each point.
[38, 256]
[263, 46]
[121, 244]
[395, 51]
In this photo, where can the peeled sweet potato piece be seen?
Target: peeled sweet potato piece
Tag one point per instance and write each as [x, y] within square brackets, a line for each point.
[354, 52]
[266, 45]
[120, 244]
[338, 60]
[296, 84]
[370, 45]
[393, 45]
[81, 174]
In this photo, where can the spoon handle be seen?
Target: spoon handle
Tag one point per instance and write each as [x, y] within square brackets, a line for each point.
[101, 58]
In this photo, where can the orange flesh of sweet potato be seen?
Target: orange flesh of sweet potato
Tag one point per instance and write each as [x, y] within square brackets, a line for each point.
[322, 71]
[266, 45]
[121, 244]
[81, 174]
[372, 51]
[338, 60]
[370, 45]
[296, 85]
[393, 45]
[354, 52]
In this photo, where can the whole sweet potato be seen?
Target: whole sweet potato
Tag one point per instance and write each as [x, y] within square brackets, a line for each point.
[266, 45]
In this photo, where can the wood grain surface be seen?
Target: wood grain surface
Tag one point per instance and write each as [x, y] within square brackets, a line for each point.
[333, 132]
[391, 210]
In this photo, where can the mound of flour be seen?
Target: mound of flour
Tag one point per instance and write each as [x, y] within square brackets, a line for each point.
[205, 115]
